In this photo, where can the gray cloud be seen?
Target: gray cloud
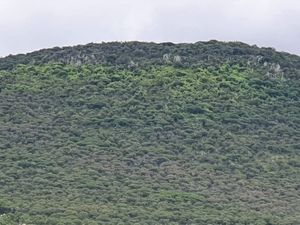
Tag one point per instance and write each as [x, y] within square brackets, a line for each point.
[34, 24]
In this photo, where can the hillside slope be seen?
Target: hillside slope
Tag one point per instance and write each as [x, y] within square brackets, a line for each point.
[144, 133]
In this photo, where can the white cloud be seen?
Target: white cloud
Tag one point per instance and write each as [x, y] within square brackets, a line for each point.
[34, 24]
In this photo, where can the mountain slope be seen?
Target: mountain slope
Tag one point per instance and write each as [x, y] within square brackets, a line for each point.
[172, 137]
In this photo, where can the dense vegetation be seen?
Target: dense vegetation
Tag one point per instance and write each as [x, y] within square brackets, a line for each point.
[178, 136]
[140, 54]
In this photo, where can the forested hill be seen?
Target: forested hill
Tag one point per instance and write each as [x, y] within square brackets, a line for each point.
[148, 134]
[140, 54]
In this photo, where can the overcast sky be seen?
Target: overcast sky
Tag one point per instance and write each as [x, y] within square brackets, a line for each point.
[27, 25]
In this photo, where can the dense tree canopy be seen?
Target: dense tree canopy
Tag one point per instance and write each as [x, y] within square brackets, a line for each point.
[138, 138]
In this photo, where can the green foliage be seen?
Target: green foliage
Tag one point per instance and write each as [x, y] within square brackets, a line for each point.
[99, 144]
[211, 54]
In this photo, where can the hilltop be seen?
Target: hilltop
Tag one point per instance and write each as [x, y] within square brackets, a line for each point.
[147, 133]
[142, 54]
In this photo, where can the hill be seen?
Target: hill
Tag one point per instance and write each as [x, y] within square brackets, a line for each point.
[146, 133]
